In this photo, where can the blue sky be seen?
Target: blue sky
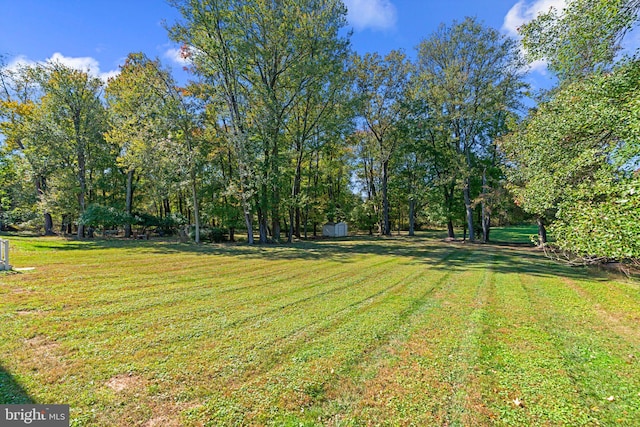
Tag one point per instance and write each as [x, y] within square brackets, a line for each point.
[98, 35]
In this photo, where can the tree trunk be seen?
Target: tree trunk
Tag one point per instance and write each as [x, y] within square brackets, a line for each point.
[412, 219]
[248, 220]
[298, 220]
[469, 209]
[262, 226]
[275, 188]
[83, 188]
[448, 199]
[167, 206]
[196, 206]
[386, 226]
[542, 231]
[297, 185]
[48, 225]
[450, 232]
[291, 225]
[129, 204]
[486, 219]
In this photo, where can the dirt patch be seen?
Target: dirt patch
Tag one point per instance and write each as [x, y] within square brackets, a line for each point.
[42, 346]
[169, 420]
[46, 356]
[21, 291]
[125, 382]
[28, 312]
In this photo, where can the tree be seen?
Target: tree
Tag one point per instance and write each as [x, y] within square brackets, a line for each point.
[19, 100]
[55, 118]
[137, 104]
[260, 58]
[470, 74]
[574, 158]
[582, 38]
[73, 120]
[381, 86]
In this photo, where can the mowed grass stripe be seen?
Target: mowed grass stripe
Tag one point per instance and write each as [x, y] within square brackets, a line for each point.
[355, 332]
[370, 369]
[178, 308]
[522, 375]
[307, 371]
[602, 363]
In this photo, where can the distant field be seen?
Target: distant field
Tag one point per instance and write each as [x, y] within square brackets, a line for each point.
[360, 331]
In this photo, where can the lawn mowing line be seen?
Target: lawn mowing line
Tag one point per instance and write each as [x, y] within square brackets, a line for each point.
[135, 280]
[136, 293]
[354, 285]
[324, 326]
[314, 284]
[524, 362]
[173, 300]
[172, 285]
[585, 348]
[468, 350]
[381, 263]
[234, 324]
[333, 319]
[263, 373]
[117, 316]
[557, 340]
[416, 308]
[618, 323]
[418, 326]
[206, 332]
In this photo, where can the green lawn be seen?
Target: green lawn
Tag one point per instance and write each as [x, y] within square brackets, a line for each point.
[361, 331]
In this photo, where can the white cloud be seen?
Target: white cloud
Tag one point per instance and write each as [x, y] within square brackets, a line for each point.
[175, 55]
[524, 11]
[19, 62]
[84, 63]
[87, 64]
[539, 66]
[374, 14]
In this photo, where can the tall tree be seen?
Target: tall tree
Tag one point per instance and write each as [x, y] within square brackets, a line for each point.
[573, 162]
[19, 103]
[381, 86]
[137, 105]
[73, 110]
[582, 38]
[260, 57]
[470, 74]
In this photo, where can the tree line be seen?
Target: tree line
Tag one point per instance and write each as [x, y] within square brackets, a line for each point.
[283, 127]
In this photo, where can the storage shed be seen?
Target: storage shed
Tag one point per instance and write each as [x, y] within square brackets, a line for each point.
[339, 229]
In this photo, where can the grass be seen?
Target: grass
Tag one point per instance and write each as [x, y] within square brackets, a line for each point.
[352, 332]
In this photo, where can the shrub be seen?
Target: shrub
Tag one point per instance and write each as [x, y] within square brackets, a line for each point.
[103, 216]
[209, 234]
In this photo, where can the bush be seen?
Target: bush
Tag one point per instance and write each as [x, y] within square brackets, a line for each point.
[103, 216]
[145, 220]
[209, 234]
[171, 224]
[602, 229]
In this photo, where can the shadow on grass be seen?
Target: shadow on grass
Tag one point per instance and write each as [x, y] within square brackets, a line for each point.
[429, 247]
[501, 257]
[11, 393]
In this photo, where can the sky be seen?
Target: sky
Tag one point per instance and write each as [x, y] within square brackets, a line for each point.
[97, 35]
